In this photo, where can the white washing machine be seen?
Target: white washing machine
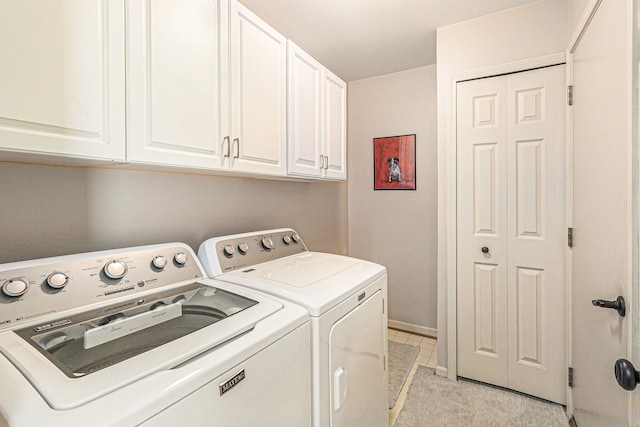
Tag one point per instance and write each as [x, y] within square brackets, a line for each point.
[346, 299]
[139, 336]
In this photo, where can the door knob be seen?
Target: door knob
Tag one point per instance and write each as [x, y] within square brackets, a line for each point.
[617, 305]
[485, 250]
[626, 374]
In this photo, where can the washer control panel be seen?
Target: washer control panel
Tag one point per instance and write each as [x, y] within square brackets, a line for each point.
[240, 251]
[31, 290]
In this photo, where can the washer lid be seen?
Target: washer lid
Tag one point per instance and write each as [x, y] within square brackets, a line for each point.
[315, 280]
[74, 360]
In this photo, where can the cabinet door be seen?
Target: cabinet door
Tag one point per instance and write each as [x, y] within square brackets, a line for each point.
[62, 78]
[335, 126]
[173, 82]
[305, 113]
[258, 94]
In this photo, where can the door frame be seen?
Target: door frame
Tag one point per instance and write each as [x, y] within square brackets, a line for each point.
[452, 178]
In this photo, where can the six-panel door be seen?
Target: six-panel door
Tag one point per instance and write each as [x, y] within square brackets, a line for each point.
[511, 232]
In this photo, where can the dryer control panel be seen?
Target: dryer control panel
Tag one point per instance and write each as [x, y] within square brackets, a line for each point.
[224, 254]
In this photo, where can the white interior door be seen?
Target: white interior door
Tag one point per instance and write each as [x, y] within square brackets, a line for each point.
[511, 232]
[602, 216]
[482, 223]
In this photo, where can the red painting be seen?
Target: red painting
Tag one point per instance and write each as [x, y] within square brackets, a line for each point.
[394, 163]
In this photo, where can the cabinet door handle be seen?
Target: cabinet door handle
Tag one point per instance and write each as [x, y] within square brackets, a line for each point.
[326, 162]
[236, 142]
[226, 138]
[321, 162]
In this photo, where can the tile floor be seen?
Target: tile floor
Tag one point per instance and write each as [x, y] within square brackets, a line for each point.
[428, 357]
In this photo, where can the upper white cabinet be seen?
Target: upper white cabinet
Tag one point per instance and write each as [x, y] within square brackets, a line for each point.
[62, 79]
[174, 90]
[335, 126]
[305, 113]
[317, 118]
[206, 86]
[258, 94]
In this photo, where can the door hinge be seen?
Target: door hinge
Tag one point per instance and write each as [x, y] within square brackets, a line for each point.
[570, 377]
[570, 237]
[570, 95]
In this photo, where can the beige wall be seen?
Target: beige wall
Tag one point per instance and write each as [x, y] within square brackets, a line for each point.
[532, 31]
[48, 211]
[396, 228]
[577, 9]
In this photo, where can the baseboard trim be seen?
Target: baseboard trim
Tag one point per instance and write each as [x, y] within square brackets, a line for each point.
[441, 371]
[415, 329]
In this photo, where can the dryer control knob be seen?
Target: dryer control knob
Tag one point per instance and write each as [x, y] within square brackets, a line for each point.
[159, 262]
[115, 269]
[15, 287]
[286, 239]
[180, 258]
[229, 250]
[295, 237]
[57, 280]
[243, 248]
[267, 243]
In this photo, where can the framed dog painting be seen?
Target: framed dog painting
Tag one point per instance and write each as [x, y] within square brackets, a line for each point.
[394, 163]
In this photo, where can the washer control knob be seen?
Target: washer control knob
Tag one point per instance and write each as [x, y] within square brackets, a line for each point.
[159, 262]
[15, 287]
[229, 250]
[180, 258]
[115, 269]
[286, 239]
[267, 243]
[243, 248]
[295, 237]
[57, 280]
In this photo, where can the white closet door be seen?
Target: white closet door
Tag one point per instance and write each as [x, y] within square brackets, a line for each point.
[511, 202]
[482, 223]
[537, 233]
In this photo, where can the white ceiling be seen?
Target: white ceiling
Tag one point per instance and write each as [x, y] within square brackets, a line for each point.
[357, 39]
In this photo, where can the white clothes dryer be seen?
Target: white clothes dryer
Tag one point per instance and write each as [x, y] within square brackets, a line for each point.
[140, 337]
[346, 299]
